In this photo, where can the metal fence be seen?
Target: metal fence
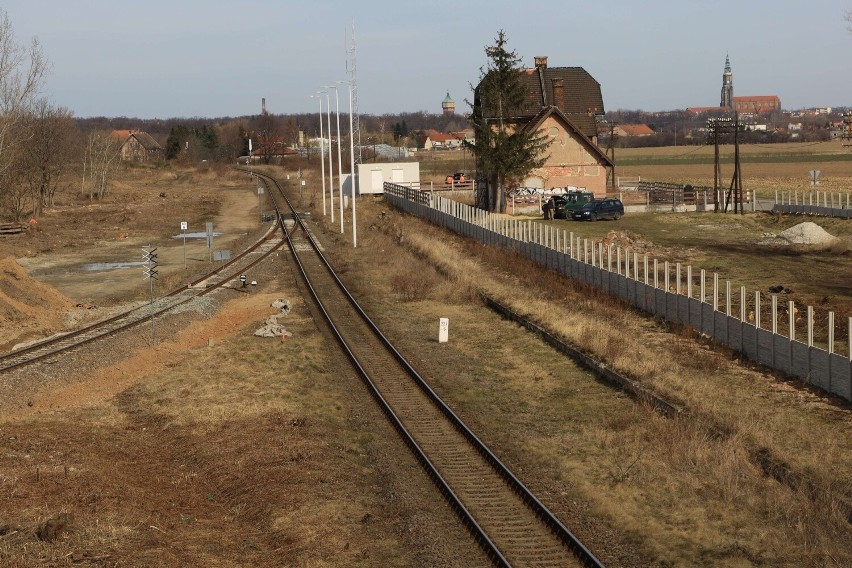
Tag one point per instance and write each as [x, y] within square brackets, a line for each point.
[663, 289]
[821, 203]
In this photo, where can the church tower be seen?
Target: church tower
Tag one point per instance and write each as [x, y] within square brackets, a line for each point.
[727, 85]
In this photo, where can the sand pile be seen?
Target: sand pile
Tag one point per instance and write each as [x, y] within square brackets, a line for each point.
[807, 233]
[28, 308]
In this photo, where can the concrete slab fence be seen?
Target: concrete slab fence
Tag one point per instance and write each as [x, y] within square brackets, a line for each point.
[760, 327]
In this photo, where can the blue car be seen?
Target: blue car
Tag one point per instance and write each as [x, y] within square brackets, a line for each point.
[609, 208]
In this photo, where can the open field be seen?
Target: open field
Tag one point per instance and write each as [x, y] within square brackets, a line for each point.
[765, 167]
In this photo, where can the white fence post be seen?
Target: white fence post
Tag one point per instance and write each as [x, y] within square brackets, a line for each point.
[831, 330]
[715, 293]
[689, 280]
[791, 314]
[728, 298]
[757, 309]
[742, 303]
[666, 275]
[810, 326]
[774, 313]
[677, 278]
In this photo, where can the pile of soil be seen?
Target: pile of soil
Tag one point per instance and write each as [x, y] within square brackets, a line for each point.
[628, 240]
[29, 308]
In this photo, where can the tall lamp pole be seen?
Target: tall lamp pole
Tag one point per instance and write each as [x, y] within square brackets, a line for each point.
[339, 160]
[322, 152]
[352, 169]
[330, 166]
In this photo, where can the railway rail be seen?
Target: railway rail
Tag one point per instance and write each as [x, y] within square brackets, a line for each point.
[509, 522]
[200, 286]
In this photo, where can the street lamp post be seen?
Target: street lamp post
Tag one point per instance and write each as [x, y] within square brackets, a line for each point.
[322, 152]
[352, 169]
[339, 160]
[330, 167]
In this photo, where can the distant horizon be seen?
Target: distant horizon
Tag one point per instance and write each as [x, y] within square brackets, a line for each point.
[214, 59]
[343, 111]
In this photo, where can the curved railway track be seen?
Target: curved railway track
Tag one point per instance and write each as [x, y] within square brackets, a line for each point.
[512, 526]
[200, 286]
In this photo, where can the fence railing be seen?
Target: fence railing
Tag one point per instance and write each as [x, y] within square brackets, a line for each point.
[677, 293]
[814, 202]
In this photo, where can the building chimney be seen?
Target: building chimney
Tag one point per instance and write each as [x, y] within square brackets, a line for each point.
[540, 61]
[558, 93]
[263, 105]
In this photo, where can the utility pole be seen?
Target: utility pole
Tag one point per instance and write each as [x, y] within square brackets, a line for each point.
[735, 192]
[610, 151]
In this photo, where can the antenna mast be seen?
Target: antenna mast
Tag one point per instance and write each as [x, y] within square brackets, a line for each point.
[356, 118]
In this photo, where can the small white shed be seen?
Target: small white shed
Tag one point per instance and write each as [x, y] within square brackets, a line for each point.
[372, 176]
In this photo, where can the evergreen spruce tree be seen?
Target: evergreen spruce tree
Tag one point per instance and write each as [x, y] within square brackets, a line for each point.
[505, 152]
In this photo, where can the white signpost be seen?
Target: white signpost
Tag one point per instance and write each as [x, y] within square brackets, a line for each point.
[443, 330]
[183, 227]
[210, 239]
[814, 177]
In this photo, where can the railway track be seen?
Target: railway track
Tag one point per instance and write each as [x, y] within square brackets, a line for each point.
[200, 286]
[512, 526]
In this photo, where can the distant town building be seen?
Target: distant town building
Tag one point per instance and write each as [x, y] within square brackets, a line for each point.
[757, 105]
[727, 84]
[448, 105]
[628, 130]
[762, 104]
[137, 145]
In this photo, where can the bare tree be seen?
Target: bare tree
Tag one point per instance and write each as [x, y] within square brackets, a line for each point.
[101, 155]
[22, 70]
[47, 153]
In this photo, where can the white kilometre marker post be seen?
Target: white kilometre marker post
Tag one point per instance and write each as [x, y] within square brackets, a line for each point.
[443, 330]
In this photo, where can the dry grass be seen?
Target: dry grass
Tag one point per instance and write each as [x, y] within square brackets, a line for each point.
[687, 494]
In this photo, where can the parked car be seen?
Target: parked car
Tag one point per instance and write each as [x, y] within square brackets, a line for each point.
[609, 208]
[571, 201]
[457, 177]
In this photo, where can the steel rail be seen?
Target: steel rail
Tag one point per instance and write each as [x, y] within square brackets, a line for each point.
[580, 551]
[89, 333]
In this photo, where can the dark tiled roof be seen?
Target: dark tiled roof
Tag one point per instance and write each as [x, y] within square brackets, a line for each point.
[147, 141]
[581, 98]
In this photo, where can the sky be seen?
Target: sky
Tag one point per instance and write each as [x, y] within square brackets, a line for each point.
[193, 58]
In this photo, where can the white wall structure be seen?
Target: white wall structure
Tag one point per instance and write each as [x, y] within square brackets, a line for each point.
[372, 176]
